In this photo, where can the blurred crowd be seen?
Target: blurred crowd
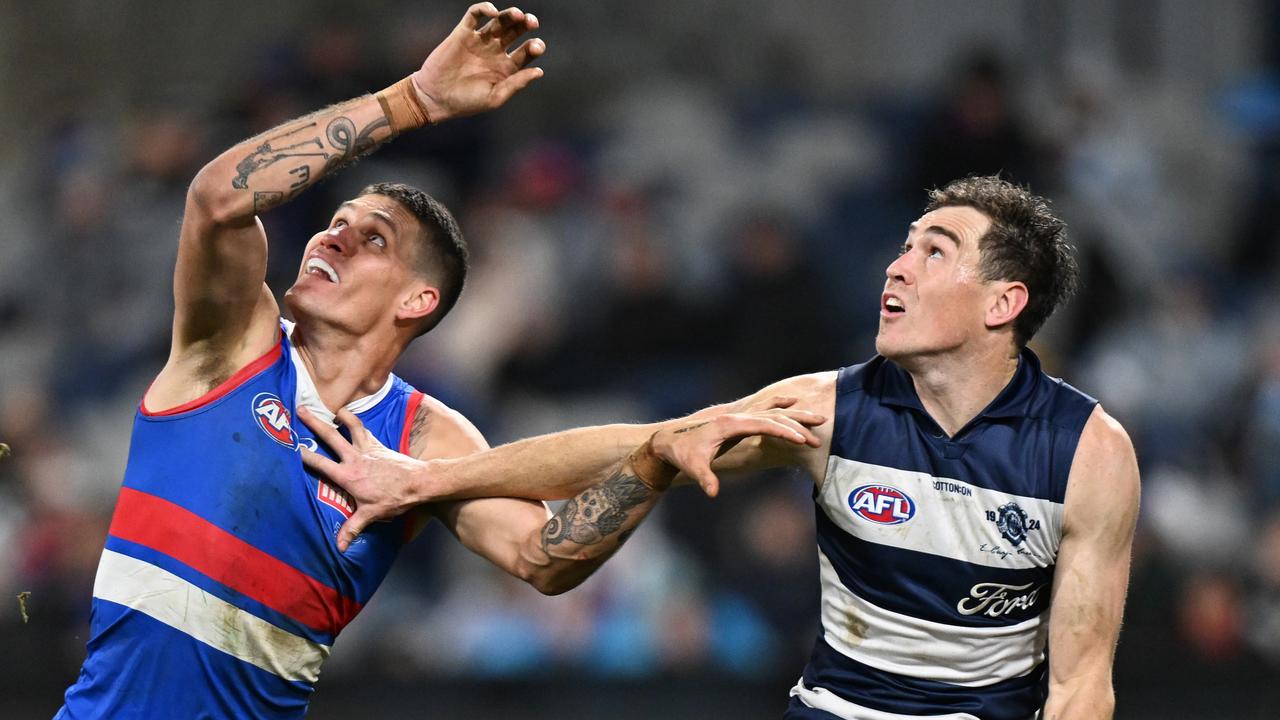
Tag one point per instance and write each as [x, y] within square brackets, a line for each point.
[686, 246]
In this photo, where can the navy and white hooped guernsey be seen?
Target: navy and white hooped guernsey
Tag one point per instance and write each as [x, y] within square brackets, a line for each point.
[221, 588]
[936, 553]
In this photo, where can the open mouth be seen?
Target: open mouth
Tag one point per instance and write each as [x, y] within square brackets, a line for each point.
[316, 266]
[892, 306]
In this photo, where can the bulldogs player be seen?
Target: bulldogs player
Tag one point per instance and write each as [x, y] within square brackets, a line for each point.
[221, 587]
[974, 515]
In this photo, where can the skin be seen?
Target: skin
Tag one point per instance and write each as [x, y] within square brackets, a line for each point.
[350, 332]
[955, 337]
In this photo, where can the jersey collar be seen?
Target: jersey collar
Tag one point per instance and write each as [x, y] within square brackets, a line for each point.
[1014, 400]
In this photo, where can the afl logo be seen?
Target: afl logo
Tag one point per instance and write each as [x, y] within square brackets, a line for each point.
[882, 504]
[274, 419]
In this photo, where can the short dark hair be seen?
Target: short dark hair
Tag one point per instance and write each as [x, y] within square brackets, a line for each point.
[1026, 243]
[441, 256]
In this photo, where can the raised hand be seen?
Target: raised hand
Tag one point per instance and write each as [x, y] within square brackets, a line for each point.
[378, 478]
[691, 448]
[471, 71]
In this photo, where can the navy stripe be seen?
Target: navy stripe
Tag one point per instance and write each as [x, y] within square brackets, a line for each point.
[217, 589]
[921, 585]
[1014, 699]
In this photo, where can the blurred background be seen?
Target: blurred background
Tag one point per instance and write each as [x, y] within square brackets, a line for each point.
[697, 199]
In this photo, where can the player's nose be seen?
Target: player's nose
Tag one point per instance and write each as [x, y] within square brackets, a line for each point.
[898, 270]
[339, 239]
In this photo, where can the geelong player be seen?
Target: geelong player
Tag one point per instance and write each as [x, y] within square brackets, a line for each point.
[221, 587]
[974, 515]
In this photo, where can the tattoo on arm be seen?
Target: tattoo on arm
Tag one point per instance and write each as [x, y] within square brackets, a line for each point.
[266, 155]
[687, 428]
[418, 431]
[596, 513]
[264, 201]
[340, 144]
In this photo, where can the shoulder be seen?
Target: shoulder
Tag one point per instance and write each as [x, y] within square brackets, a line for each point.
[812, 385]
[438, 431]
[860, 377]
[1104, 479]
[814, 392]
[1059, 403]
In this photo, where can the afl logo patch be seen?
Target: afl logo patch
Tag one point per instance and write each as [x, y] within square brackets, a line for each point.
[882, 504]
[274, 419]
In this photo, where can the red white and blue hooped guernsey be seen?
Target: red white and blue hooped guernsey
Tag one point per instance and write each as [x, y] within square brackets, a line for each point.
[937, 554]
[221, 588]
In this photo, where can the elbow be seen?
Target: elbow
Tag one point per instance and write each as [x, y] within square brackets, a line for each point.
[550, 582]
[1094, 702]
[550, 577]
[212, 198]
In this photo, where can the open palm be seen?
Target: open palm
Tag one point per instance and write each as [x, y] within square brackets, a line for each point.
[471, 71]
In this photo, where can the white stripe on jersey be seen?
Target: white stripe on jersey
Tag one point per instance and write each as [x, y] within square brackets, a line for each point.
[822, 699]
[903, 645]
[950, 517]
[179, 604]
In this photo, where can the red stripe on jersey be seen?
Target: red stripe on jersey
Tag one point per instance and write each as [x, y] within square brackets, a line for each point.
[410, 412]
[231, 383]
[190, 539]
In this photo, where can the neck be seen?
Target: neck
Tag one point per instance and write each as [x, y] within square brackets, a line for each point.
[954, 389]
[344, 367]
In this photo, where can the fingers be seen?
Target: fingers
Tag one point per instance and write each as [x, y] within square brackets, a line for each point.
[320, 464]
[503, 91]
[528, 51]
[508, 25]
[477, 14]
[771, 425]
[327, 434]
[360, 437]
[798, 421]
[351, 530]
[779, 401]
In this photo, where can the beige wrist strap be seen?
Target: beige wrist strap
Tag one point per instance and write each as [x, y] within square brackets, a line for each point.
[402, 107]
[650, 469]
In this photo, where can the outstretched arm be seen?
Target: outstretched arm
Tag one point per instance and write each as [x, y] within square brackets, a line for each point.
[1092, 572]
[225, 316]
[557, 554]
[560, 465]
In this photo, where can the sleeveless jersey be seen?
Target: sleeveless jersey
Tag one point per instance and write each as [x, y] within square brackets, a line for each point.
[937, 554]
[221, 588]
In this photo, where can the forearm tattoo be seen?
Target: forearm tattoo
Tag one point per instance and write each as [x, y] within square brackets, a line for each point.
[339, 144]
[596, 513]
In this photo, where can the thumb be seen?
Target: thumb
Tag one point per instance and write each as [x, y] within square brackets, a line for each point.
[351, 530]
[707, 480]
[503, 91]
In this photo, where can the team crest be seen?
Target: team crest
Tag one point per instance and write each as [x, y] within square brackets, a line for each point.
[882, 504]
[1012, 523]
[274, 419]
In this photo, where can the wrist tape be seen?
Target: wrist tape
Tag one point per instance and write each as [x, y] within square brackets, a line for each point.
[402, 107]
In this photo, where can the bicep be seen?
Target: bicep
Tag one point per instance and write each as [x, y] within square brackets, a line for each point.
[219, 287]
[1092, 573]
[814, 393]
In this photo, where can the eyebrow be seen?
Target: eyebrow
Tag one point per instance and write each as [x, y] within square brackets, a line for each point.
[380, 214]
[939, 230]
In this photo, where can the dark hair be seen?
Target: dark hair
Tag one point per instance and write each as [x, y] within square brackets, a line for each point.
[442, 256]
[1026, 243]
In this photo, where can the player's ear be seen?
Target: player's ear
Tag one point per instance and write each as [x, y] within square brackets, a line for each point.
[420, 301]
[1009, 300]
